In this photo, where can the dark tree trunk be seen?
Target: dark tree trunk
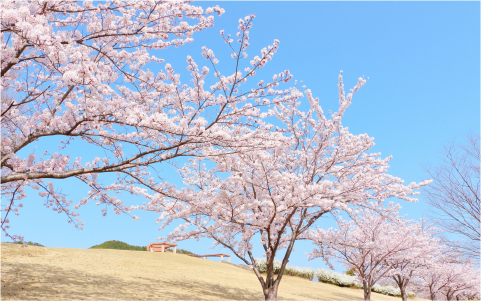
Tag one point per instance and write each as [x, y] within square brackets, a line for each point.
[402, 284]
[367, 291]
[271, 286]
[404, 295]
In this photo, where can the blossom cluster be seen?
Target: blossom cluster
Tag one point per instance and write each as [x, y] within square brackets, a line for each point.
[95, 85]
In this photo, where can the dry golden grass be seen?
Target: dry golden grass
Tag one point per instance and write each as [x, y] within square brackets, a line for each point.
[40, 273]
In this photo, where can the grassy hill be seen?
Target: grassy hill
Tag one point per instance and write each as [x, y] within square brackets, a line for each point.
[36, 273]
[120, 245]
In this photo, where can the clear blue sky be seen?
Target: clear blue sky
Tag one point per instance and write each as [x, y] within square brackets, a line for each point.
[423, 64]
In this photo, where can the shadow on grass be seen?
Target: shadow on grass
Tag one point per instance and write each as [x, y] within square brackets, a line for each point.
[37, 281]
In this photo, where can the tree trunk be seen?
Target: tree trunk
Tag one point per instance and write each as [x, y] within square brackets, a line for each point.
[404, 295]
[367, 291]
[270, 293]
[450, 295]
[402, 284]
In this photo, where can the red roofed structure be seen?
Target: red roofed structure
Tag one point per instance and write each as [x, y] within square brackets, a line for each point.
[161, 247]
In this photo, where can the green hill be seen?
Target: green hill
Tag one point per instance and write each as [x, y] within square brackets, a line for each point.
[118, 245]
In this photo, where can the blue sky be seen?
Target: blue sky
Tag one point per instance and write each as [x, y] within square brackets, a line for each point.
[423, 64]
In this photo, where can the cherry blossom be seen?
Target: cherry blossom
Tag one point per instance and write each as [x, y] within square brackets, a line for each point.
[83, 71]
[278, 192]
[447, 276]
[423, 248]
[376, 243]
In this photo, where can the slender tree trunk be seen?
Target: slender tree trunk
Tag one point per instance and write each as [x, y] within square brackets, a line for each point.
[404, 295]
[367, 291]
[271, 286]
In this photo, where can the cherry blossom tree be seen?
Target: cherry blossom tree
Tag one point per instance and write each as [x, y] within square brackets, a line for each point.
[459, 280]
[423, 248]
[474, 291]
[451, 279]
[432, 279]
[279, 193]
[74, 70]
[376, 245]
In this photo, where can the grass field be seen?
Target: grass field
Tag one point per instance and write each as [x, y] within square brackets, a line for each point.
[36, 273]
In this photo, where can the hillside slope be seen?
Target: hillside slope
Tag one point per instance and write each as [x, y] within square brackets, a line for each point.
[35, 273]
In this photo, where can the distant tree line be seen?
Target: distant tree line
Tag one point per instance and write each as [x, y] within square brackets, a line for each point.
[118, 245]
[29, 243]
[181, 251]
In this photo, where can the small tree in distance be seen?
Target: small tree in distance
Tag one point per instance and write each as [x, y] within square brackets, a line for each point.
[423, 248]
[280, 192]
[455, 280]
[376, 245]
